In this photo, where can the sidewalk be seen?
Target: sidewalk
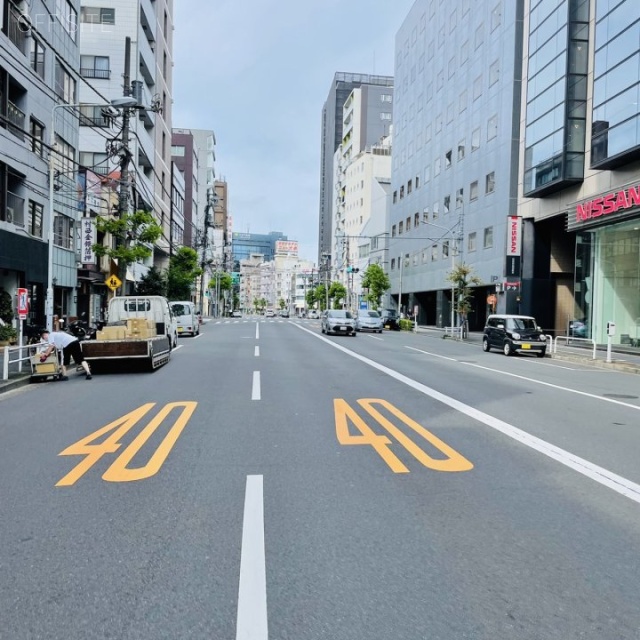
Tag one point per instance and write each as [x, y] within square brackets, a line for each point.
[627, 360]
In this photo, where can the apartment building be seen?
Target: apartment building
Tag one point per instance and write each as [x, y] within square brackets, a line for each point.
[103, 52]
[39, 217]
[376, 125]
[454, 169]
[579, 194]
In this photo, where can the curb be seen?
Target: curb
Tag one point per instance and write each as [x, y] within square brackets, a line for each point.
[14, 383]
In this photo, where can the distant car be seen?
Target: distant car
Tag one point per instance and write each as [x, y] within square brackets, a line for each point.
[270, 313]
[338, 321]
[368, 320]
[284, 313]
[313, 315]
[236, 314]
[514, 334]
[390, 319]
[577, 329]
[186, 317]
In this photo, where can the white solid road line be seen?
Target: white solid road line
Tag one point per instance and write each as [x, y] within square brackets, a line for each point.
[375, 338]
[256, 351]
[252, 592]
[255, 387]
[545, 384]
[257, 331]
[605, 477]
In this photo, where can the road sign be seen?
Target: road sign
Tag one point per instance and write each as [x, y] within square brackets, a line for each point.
[23, 303]
[113, 282]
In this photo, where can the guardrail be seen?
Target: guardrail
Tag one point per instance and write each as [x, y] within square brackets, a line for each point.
[454, 332]
[13, 357]
[579, 342]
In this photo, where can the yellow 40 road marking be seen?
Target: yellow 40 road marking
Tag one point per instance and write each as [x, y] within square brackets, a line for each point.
[452, 461]
[119, 471]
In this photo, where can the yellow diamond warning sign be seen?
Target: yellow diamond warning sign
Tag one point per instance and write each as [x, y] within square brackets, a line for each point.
[113, 282]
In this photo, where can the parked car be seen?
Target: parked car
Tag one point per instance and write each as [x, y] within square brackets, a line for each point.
[338, 321]
[270, 313]
[514, 334]
[577, 329]
[236, 314]
[368, 320]
[390, 319]
[313, 315]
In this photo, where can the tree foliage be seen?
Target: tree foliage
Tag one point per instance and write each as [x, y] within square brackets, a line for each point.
[463, 278]
[153, 283]
[376, 281]
[182, 273]
[337, 293]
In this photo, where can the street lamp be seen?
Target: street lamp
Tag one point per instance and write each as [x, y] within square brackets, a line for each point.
[123, 102]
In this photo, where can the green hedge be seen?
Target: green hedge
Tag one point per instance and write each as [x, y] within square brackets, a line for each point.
[406, 325]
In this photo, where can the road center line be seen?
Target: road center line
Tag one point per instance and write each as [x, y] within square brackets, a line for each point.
[257, 331]
[255, 387]
[601, 475]
[252, 591]
[545, 384]
[256, 351]
[375, 338]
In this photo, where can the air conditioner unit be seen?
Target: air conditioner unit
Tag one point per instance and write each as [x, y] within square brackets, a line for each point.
[9, 215]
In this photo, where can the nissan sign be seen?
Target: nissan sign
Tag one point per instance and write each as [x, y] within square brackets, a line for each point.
[514, 239]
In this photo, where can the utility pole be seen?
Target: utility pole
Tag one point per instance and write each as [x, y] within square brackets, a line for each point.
[205, 242]
[125, 156]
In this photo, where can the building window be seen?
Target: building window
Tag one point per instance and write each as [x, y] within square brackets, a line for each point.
[37, 56]
[462, 101]
[479, 37]
[65, 84]
[436, 210]
[477, 87]
[409, 187]
[461, 150]
[416, 219]
[385, 115]
[434, 252]
[427, 174]
[425, 215]
[96, 162]
[62, 231]
[95, 67]
[488, 237]
[417, 182]
[393, 264]
[408, 224]
[459, 197]
[447, 204]
[64, 157]
[475, 139]
[436, 167]
[37, 137]
[393, 231]
[36, 212]
[494, 73]
[97, 15]
[471, 241]
[400, 227]
[401, 192]
[496, 16]
[67, 17]
[473, 190]
[492, 127]
[445, 249]
[164, 144]
[490, 182]
[447, 159]
[164, 64]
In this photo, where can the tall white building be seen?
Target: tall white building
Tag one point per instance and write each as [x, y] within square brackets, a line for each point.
[103, 34]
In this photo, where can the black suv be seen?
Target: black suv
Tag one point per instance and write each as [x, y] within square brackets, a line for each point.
[514, 334]
[390, 319]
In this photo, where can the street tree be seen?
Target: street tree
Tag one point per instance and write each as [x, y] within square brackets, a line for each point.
[463, 278]
[337, 293]
[134, 233]
[376, 281]
[182, 273]
[153, 283]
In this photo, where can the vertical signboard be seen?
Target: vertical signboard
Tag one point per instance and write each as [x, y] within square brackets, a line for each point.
[514, 246]
[87, 240]
[23, 303]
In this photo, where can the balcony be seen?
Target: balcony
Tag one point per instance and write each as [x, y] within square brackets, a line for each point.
[16, 119]
[14, 213]
[90, 72]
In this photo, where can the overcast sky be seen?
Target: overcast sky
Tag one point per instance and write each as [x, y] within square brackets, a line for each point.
[257, 73]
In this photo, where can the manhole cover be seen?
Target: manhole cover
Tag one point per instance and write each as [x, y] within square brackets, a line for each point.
[619, 396]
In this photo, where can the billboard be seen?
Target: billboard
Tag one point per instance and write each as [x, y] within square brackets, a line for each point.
[287, 247]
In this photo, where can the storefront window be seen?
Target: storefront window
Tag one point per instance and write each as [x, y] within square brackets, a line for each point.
[608, 283]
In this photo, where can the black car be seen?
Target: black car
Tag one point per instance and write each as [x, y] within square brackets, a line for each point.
[390, 319]
[514, 334]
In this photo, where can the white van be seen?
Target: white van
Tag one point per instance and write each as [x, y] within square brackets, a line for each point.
[186, 317]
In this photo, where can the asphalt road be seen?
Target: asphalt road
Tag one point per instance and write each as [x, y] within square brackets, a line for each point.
[273, 483]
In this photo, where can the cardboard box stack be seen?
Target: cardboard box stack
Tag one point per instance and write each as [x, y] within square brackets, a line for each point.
[140, 328]
[112, 333]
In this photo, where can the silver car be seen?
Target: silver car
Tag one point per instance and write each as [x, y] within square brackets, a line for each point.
[368, 320]
[338, 321]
